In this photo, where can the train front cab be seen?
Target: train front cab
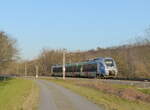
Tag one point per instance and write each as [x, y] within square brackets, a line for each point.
[107, 68]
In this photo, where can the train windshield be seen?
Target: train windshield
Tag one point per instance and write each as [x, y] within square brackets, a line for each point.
[109, 62]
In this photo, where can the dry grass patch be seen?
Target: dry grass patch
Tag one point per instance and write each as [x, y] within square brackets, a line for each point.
[128, 92]
[31, 101]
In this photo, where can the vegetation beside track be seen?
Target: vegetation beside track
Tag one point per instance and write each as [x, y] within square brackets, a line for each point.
[18, 94]
[132, 59]
[145, 90]
[104, 97]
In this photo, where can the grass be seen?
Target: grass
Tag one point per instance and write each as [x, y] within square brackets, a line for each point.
[105, 100]
[123, 86]
[144, 90]
[18, 94]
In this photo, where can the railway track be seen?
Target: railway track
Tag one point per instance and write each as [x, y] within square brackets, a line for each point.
[113, 78]
[139, 82]
[130, 79]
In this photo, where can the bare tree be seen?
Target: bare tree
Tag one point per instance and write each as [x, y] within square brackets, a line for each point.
[8, 51]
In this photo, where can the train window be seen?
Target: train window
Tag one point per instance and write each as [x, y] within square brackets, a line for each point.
[77, 68]
[109, 62]
[90, 68]
[69, 69]
[57, 69]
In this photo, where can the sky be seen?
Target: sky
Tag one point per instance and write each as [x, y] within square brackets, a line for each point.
[72, 24]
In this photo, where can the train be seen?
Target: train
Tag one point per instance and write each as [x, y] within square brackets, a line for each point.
[98, 67]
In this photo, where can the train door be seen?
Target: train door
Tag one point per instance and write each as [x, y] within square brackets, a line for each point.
[98, 70]
[101, 69]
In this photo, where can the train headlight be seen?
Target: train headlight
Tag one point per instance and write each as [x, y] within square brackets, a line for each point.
[107, 72]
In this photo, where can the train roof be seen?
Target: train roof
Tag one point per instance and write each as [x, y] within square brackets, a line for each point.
[92, 61]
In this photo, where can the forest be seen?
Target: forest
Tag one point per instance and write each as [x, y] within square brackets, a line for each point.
[133, 59]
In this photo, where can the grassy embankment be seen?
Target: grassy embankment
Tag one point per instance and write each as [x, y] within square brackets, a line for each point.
[106, 96]
[18, 94]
